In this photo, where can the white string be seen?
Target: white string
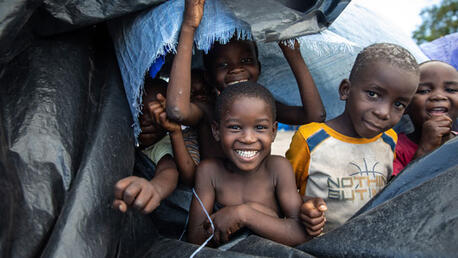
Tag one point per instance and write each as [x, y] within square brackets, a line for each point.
[185, 226]
[211, 223]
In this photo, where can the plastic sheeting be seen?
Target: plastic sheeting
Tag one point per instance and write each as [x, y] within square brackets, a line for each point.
[140, 40]
[444, 49]
[66, 138]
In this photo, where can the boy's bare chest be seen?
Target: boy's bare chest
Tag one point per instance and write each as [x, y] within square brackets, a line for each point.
[235, 190]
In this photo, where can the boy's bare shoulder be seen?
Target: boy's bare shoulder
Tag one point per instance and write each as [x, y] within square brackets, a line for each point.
[277, 164]
[209, 167]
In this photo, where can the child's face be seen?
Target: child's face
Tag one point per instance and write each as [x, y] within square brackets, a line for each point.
[246, 131]
[377, 99]
[234, 62]
[437, 93]
[151, 132]
[199, 91]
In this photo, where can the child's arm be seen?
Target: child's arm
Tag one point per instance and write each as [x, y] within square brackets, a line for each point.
[287, 230]
[146, 196]
[197, 234]
[312, 109]
[179, 106]
[183, 159]
[432, 134]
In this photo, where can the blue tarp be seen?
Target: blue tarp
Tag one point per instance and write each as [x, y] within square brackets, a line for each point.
[444, 49]
[329, 54]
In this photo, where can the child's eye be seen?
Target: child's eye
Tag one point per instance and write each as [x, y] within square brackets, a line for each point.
[399, 105]
[451, 90]
[261, 127]
[221, 65]
[372, 94]
[234, 127]
[247, 60]
[423, 91]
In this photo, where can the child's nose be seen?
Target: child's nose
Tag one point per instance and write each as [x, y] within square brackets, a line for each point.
[248, 137]
[437, 96]
[383, 112]
[235, 69]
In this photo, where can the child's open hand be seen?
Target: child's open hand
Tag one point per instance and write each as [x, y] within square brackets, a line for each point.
[285, 47]
[194, 10]
[227, 221]
[138, 193]
[312, 215]
[432, 132]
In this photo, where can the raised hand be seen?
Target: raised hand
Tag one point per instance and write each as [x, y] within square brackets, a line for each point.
[194, 10]
[433, 131]
[312, 215]
[138, 193]
[159, 115]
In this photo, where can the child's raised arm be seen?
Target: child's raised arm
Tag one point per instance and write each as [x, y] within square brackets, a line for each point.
[179, 106]
[183, 159]
[312, 109]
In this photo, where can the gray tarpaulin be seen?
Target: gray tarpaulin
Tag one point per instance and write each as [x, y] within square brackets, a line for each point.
[66, 138]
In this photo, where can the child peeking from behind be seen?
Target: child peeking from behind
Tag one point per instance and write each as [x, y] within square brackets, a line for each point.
[433, 110]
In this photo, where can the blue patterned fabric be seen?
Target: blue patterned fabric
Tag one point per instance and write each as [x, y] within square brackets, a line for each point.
[141, 39]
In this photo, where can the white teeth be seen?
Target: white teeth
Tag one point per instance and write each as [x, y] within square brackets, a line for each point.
[246, 154]
[234, 82]
[440, 109]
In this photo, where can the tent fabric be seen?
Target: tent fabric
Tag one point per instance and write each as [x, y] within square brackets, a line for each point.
[140, 40]
[329, 54]
[443, 49]
[66, 138]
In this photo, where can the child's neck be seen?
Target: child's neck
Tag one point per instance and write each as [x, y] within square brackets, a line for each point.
[343, 125]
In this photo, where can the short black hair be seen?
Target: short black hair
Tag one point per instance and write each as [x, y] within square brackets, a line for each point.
[387, 52]
[154, 86]
[244, 89]
[208, 58]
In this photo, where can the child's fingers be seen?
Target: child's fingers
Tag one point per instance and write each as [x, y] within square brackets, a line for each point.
[120, 205]
[314, 226]
[312, 221]
[309, 209]
[152, 204]
[131, 193]
[142, 198]
[314, 233]
[120, 186]
[320, 204]
[161, 99]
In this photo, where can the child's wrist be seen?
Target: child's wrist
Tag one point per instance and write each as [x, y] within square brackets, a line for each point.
[187, 28]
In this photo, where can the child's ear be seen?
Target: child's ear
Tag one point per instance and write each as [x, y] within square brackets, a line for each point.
[215, 130]
[344, 89]
[274, 130]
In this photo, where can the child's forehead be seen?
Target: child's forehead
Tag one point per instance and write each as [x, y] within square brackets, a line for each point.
[437, 67]
[232, 46]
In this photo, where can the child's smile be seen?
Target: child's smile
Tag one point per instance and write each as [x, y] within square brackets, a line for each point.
[437, 93]
[246, 132]
[235, 62]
